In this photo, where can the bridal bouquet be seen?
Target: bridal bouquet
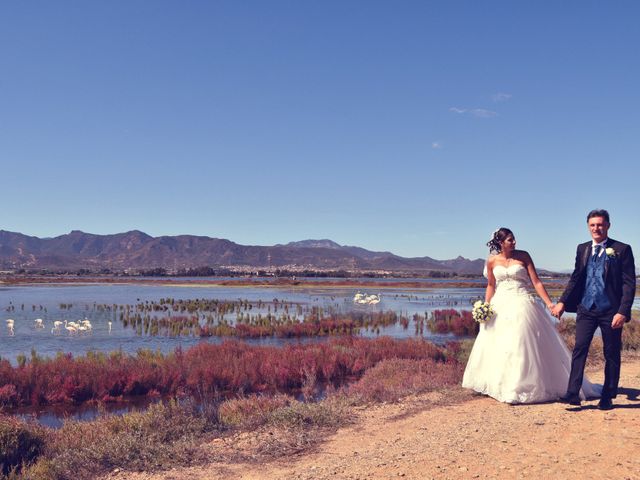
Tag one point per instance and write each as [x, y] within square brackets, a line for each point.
[482, 311]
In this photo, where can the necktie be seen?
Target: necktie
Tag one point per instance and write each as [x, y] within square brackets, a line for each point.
[596, 251]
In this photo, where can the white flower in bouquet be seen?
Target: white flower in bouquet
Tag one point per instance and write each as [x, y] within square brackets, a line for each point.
[482, 311]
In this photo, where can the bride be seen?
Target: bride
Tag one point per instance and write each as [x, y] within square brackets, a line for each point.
[518, 356]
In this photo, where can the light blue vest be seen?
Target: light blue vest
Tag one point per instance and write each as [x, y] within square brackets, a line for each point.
[594, 293]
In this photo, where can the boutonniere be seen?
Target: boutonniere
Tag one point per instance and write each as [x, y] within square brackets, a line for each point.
[611, 253]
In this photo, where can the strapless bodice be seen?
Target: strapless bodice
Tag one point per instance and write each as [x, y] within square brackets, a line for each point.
[513, 278]
[515, 271]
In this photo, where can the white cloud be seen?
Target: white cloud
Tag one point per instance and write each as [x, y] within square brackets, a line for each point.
[482, 113]
[436, 145]
[501, 97]
[476, 112]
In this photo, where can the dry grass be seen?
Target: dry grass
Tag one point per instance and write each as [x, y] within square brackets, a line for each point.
[162, 436]
[169, 435]
[252, 411]
[20, 444]
[630, 340]
[391, 380]
[277, 429]
[301, 426]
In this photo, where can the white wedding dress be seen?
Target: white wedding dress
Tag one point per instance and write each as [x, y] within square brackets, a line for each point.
[519, 356]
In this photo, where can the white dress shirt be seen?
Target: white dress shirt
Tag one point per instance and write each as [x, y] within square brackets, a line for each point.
[603, 244]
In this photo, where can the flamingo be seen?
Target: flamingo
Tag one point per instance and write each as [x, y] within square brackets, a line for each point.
[71, 327]
[57, 327]
[87, 324]
[81, 326]
[10, 323]
[39, 323]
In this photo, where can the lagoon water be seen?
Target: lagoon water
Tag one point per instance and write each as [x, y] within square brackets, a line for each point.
[78, 301]
[51, 302]
[73, 302]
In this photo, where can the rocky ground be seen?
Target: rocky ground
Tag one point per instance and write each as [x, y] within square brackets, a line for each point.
[477, 438]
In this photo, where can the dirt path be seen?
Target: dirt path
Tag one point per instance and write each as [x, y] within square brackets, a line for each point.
[480, 438]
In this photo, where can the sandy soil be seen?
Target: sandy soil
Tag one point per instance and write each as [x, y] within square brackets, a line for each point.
[479, 438]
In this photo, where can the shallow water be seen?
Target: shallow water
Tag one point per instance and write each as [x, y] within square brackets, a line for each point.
[24, 304]
[54, 416]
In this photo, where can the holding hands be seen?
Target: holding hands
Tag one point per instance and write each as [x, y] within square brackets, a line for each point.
[557, 310]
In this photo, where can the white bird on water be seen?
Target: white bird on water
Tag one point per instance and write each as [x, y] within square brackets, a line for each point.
[10, 323]
[361, 298]
[71, 327]
[364, 299]
[371, 299]
[84, 326]
[87, 324]
[38, 323]
[57, 327]
[374, 299]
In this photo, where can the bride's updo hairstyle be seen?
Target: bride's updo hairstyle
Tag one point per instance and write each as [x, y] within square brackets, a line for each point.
[498, 237]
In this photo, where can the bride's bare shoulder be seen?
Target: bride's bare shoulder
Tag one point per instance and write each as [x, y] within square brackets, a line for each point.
[491, 260]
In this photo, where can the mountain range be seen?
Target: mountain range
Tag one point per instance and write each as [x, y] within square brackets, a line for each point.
[136, 251]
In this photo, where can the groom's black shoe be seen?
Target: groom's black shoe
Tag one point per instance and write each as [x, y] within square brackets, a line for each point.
[605, 403]
[571, 400]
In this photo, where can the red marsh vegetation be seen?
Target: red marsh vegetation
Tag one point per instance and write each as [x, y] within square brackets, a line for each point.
[215, 318]
[208, 318]
[203, 371]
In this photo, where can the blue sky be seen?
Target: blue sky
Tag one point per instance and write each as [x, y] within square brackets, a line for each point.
[414, 127]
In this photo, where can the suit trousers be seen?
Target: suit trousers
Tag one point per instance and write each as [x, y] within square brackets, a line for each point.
[587, 321]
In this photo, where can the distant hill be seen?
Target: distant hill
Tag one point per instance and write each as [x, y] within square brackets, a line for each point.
[136, 250]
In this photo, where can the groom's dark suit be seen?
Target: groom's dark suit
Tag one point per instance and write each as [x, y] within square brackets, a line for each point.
[617, 269]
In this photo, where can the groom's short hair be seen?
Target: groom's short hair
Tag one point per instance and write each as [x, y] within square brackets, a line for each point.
[598, 213]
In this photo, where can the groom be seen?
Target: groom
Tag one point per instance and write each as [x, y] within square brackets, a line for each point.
[600, 291]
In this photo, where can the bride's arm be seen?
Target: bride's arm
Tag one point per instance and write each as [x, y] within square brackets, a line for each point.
[535, 280]
[491, 284]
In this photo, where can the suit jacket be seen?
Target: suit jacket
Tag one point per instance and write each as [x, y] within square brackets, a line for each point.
[619, 278]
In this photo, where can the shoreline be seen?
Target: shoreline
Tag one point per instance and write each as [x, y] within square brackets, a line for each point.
[553, 286]
[271, 282]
